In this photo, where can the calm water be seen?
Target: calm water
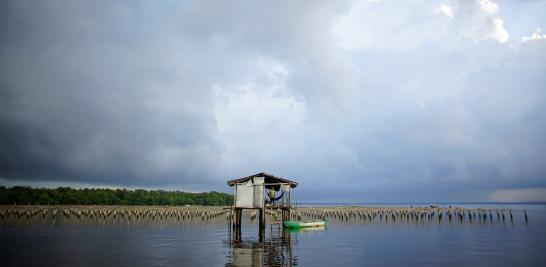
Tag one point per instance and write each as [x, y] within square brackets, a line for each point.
[340, 244]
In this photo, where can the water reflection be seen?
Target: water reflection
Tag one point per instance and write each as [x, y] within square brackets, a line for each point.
[172, 242]
[273, 250]
[305, 230]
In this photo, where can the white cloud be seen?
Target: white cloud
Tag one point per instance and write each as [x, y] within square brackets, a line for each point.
[265, 101]
[398, 25]
[535, 37]
[488, 6]
[499, 33]
[446, 10]
[479, 21]
[258, 115]
[405, 25]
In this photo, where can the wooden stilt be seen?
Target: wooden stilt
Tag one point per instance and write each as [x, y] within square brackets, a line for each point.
[261, 224]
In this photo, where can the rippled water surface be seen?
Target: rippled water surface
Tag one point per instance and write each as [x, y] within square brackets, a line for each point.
[342, 243]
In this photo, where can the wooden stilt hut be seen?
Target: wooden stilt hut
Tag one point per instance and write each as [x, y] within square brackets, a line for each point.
[255, 192]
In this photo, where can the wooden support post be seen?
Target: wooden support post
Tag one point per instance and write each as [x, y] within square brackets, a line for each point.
[285, 215]
[233, 219]
[238, 221]
[262, 218]
[261, 231]
[237, 215]
[289, 193]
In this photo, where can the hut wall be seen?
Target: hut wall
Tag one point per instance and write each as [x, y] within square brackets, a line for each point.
[250, 194]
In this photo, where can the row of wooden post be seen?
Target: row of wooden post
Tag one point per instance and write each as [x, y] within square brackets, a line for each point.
[112, 212]
[405, 214]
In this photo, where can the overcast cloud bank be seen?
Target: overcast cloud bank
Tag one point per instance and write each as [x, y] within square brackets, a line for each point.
[358, 101]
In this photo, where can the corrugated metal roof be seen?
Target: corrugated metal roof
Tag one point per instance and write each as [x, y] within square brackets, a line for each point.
[269, 178]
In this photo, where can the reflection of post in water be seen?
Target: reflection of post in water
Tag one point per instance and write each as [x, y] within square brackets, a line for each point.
[274, 250]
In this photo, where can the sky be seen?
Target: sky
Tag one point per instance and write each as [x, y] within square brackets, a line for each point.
[358, 101]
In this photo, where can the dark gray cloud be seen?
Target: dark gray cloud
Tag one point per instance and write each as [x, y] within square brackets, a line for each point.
[94, 92]
[187, 95]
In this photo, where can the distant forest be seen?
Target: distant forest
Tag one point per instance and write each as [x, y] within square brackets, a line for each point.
[23, 195]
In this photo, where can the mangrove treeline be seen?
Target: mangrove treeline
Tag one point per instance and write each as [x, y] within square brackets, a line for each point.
[23, 195]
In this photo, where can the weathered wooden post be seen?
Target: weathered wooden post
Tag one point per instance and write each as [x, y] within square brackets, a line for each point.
[498, 216]
[261, 231]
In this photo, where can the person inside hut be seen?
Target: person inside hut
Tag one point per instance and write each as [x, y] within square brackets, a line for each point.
[271, 194]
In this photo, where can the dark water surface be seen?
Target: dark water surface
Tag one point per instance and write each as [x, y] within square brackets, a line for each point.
[352, 243]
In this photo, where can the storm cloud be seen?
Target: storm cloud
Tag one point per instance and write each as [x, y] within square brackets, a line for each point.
[358, 101]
